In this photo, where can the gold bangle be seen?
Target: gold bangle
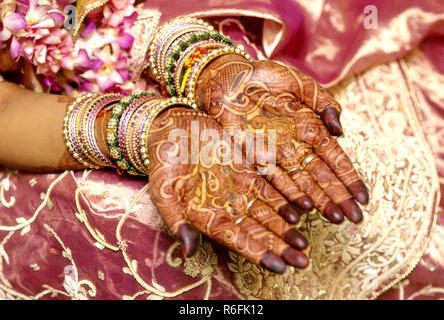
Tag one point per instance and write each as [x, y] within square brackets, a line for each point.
[164, 28]
[87, 109]
[79, 100]
[113, 131]
[179, 80]
[137, 162]
[172, 47]
[78, 132]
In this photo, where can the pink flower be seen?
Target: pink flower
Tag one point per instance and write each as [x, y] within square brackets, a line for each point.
[113, 69]
[49, 49]
[11, 23]
[37, 35]
[125, 41]
[99, 60]
[102, 51]
[115, 12]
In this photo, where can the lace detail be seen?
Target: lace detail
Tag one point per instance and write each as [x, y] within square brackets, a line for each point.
[143, 30]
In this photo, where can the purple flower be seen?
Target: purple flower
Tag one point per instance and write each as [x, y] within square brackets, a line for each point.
[14, 50]
[89, 28]
[35, 34]
[125, 41]
[12, 23]
[99, 61]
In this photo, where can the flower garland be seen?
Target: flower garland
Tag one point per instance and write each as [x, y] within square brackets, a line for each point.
[97, 62]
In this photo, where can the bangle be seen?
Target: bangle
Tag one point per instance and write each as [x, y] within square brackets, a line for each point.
[196, 39]
[88, 120]
[170, 40]
[136, 132]
[171, 37]
[166, 30]
[102, 126]
[113, 128]
[179, 73]
[126, 130]
[78, 129]
[174, 47]
[181, 49]
[133, 133]
[69, 130]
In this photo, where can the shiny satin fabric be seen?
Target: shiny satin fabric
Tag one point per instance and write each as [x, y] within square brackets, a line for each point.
[327, 39]
[96, 234]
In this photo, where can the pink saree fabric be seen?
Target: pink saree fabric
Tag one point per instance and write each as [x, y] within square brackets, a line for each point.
[93, 234]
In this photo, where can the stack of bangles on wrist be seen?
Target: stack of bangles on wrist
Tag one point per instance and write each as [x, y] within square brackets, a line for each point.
[127, 129]
[181, 49]
[178, 53]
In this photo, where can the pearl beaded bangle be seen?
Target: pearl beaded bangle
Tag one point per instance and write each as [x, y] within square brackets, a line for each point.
[69, 130]
[165, 30]
[127, 128]
[78, 129]
[113, 127]
[175, 42]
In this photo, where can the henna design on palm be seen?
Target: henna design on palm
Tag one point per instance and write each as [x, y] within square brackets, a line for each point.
[265, 95]
[228, 202]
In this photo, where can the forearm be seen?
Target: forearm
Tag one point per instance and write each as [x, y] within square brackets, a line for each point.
[31, 136]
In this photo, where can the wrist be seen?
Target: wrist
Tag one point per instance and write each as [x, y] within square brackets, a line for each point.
[159, 125]
[214, 79]
[79, 128]
[100, 132]
[129, 127]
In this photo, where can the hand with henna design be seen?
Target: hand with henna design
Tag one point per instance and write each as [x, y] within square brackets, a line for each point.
[264, 95]
[228, 202]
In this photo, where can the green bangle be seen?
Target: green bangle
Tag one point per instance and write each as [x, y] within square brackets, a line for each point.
[183, 45]
[112, 131]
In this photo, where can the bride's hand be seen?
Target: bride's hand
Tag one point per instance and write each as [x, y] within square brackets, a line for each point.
[265, 95]
[228, 202]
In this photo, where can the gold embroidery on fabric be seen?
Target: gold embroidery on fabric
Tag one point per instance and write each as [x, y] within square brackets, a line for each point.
[176, 262]
[75, 288]
[23, 223]
[35, 266]
[4, 257]
[155, 289]
[143, 30]
[32, 182]
[49, 204]
[202, 263]
[428, 290]
[82, 217]
[4, 187]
